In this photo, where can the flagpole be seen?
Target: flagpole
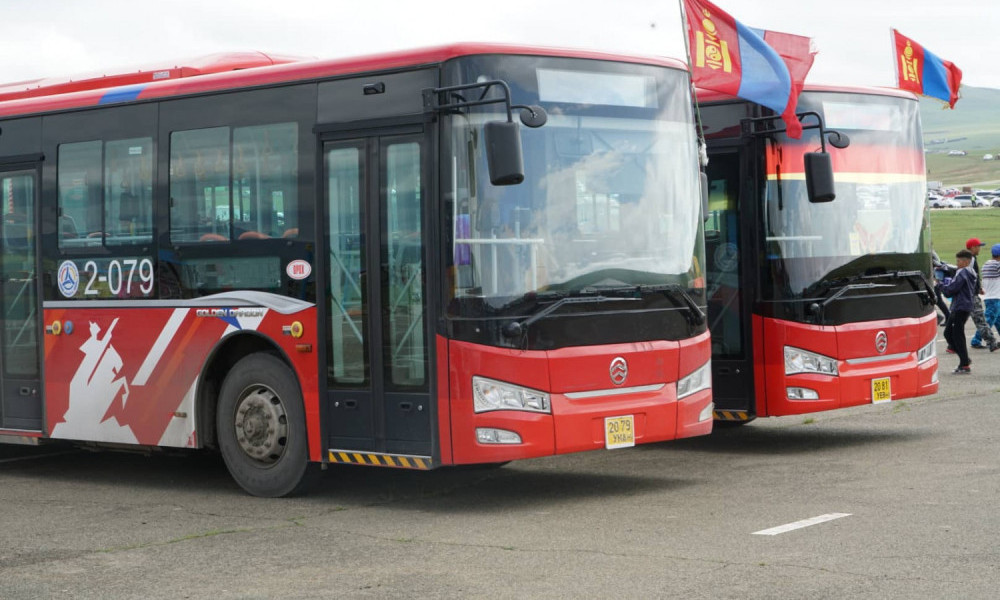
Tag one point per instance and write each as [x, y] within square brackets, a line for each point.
[895, 59]
[699, 129]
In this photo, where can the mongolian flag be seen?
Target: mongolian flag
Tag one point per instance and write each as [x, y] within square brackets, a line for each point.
[766, 67]
[920, 71]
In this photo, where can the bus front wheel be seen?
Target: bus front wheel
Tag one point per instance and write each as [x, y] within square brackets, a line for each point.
[261, 427]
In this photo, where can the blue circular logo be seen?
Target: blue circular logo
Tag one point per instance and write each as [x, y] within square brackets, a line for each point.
[68, 279]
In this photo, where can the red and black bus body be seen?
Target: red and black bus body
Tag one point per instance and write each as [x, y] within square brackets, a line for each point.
[818, 306]
[308, 263]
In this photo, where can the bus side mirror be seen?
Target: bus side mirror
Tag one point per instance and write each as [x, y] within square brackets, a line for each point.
[503, 152]
[819, 177]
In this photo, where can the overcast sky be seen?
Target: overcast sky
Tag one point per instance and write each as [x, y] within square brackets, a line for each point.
[42, 38]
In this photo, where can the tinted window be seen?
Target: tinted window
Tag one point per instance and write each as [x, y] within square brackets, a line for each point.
[234, 183]
[105, 193]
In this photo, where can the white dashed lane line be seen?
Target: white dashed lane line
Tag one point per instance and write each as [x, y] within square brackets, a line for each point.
[801, 524]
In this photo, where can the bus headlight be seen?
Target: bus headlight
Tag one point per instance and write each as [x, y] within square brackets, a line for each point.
[495, 395]
[800, 393]
[490, 435]
[927, 352]
[697, 380]
[802, 361]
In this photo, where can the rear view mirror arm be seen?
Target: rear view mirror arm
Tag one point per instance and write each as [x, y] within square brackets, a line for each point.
[837, 139]
[447, 99]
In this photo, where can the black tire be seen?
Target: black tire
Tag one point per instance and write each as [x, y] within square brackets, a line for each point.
[261, 427]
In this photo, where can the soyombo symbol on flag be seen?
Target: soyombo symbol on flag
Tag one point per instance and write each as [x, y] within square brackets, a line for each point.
[729, 57]
[920, 71]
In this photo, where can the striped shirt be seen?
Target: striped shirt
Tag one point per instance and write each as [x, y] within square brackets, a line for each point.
[991, 279]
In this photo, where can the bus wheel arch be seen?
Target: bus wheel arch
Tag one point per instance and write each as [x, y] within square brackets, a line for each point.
[251, 409]
[260, 426]
[224, 356]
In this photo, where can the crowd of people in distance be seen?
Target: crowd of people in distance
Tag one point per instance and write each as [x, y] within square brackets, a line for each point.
[974, 293]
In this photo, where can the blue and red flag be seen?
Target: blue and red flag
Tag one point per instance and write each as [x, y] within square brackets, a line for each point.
[920, 71]
[766, 67]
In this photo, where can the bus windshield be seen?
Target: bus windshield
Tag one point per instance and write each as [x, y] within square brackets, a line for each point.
[879, 208]
[610, 198]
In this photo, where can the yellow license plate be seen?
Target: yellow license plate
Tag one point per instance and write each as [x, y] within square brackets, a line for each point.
[881, 390]
[619, 432]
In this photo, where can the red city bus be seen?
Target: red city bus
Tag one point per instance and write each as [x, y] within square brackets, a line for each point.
[363, 261]
[817, 305]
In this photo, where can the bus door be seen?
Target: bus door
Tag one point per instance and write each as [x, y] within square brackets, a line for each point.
[377, 353]
[20, 363]
[727, 243]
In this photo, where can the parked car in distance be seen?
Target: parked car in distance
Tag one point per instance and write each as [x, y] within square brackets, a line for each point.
[969, 201]
[942, 202]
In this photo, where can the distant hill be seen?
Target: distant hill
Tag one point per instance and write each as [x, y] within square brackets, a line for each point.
[973, 126]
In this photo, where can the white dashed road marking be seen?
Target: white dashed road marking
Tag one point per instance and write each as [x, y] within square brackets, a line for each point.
[801, 524]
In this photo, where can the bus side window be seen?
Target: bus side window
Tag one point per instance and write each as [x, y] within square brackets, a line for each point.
[105, 193]
[128, 191]
[15, 232]
[80, 194]
[253, 196]
[200, 202]
[265, 181]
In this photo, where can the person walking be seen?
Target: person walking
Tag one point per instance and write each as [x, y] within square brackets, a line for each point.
[961, 290]
[941, 270]
[991, 290]
[983, 338]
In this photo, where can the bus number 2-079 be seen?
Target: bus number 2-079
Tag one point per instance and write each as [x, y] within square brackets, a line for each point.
[122, 275]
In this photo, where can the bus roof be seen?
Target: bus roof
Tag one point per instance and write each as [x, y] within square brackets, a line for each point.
[225, 73]
[706, 96]
[175, 69]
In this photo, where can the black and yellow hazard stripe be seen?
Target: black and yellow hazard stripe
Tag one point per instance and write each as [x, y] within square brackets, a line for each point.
[731, 415]
[378, 459]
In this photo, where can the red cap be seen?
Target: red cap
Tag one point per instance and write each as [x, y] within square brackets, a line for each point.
[973, 242]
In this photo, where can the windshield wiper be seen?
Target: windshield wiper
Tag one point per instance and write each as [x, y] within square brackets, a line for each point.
[694, 314]
[533, 298]
[518, 328]
[930, 298]
[827, 285]
[853, 286]
[596, 294]
[817, 308]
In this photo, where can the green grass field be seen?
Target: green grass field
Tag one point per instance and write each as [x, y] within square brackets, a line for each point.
[964, 170]
[950, 229]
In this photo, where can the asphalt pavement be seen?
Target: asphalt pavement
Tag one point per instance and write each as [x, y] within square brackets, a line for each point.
[896, 500]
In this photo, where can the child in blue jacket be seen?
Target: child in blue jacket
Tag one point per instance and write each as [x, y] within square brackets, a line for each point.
[961, 290]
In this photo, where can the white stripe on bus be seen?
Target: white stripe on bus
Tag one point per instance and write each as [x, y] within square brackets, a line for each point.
[156, 352]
